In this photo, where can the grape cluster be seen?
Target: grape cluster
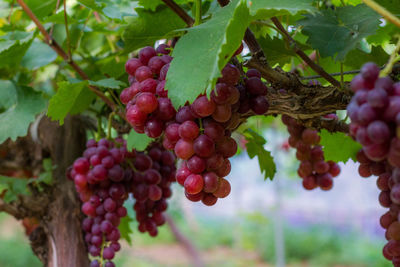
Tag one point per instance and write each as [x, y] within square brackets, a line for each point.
[147, 106]
[199, 137]
[374, 111]
[102, 184]
[151, 186]
[105, 176]
[313, 169]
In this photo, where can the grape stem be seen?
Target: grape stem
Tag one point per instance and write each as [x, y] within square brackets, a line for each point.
[298, 51]
[67, 31]
[383, 11]
[394, 57]
[109, 125]
[197, 20]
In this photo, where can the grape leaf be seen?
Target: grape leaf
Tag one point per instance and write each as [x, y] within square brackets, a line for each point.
[38, 55]
[108, 83]
[15, 120]
[13, 47]
[200, 55]
[111, 67]
[356, 58]
[138, 141]
[70, 98]
[92, 4]
[277, 50]
[339, 146]
[149, 27]
[263, 9]
[125, 228]
[41, 8]
[8, 95]
[150, 4]
[339, 31]
[255, 147]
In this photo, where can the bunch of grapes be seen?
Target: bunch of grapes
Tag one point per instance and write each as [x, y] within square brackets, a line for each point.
[151, 186]
[199, 137]
[374, 111]
[103, 186]
[313, 169]
[147, 106]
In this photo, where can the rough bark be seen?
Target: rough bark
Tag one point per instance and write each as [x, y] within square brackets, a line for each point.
[58, 241]
[65, 244]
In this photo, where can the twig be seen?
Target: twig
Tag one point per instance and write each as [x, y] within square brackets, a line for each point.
[180, 12]
[189, 247]
[197, 20]
[332, 74]
[11, 11]
[381, 10]
[67, 31]
[57, 48]
[298, 51]
[9, 208]
[392, 60]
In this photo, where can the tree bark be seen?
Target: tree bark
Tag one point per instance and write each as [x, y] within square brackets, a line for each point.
[64, 245]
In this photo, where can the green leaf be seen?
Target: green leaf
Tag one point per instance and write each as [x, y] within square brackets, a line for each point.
[276, 50]
[263, 9]
[14, 186]
[8, 95]
[138, 141]
[339, 146]
[13, 47]
[200, 55]
[38, 55]
[255, 147]
[47, 175]
[149, 27]
[356, 58]
[42, 8]
[15, 120]
[111, 67]
[339, 31]
[92, 4]
[70, 98]
[150, 4]
[108, 83]
[125, 228]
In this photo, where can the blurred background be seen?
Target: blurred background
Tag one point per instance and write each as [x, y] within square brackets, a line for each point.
[261, 223]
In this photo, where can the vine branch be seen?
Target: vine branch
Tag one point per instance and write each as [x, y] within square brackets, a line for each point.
[180, 12]
[299, 52]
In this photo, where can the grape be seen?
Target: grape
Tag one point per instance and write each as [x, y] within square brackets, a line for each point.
[194, 183]
[146, 102]
[188, 130]
[146, 53]
[184, 149]
[132, 65]
[255, 86]
[230, 75]
[204, 146]
[209, 199]
[211, 182]
[203, 107]
[370, 72]
[259, 105]
[223, 190]
[196, 165]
